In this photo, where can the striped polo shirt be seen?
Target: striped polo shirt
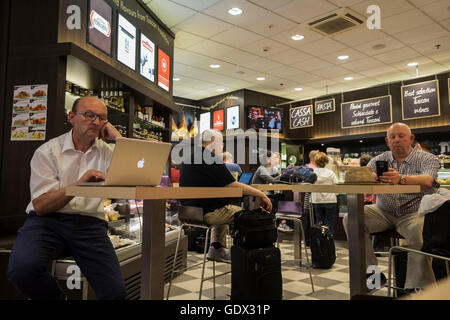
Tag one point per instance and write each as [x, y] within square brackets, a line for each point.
[416, 163]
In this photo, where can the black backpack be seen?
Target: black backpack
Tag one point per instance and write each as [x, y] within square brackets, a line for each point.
[254, 229]
[322, 247]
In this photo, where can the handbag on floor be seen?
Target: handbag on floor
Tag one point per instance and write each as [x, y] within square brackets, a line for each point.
[256, 274]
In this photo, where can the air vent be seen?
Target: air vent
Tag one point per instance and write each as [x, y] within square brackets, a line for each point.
[342, 20]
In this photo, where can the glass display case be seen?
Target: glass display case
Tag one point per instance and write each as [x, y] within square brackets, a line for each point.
[124, 230]
[444, 177]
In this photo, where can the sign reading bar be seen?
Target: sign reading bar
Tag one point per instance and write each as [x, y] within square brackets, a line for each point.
[420, 100]
[367, 112]
[301, 117]
[324, 106]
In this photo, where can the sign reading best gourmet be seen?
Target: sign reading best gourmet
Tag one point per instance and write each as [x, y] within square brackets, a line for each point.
[301, 117]
[367, 112]
[420, 100]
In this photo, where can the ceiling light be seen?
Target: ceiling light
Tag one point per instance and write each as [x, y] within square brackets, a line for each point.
[214, 66]
[220, 89]
[235, 11]
[260, 78]
[298, 89]
[344, 57]
[413, 64]
[348, 78]
[379, 46]
[176, 79]
[297, 37]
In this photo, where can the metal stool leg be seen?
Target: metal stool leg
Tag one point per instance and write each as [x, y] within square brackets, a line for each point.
[214, 280]
[204, 262]
[306, 254]
[174, 261]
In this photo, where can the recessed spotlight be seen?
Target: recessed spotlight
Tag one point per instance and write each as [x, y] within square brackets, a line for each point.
[176, 79]
[344, 57]
[214, 66]
[220, 89]
[413, 64]
[235, 11]
[260, 78]
[379, 46]
[297, 37]
[360, 141]
[348, 78]
[298, 89]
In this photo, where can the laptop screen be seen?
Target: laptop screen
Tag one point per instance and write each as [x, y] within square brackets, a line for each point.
[245, 177]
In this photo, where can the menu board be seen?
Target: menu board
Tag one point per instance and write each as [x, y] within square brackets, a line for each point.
[301, 117]
[205, 121]
[420, 100]
[218, 119]
[126, 43]
[29, 114]
[100, 17]
[233, 117]
[324, 106]
[366, 112]
[147, 61]
[163, 70]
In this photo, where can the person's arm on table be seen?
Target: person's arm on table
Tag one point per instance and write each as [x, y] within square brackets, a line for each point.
[250, 191]
[393, 177]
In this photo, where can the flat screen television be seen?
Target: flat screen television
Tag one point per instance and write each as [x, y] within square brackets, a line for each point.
[99, 25]
[147, 61]
[264, 118]
[126, 43]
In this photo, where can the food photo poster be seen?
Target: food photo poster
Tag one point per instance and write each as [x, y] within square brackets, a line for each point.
[29, 114]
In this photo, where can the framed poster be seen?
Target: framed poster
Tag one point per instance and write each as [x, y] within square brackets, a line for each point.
[126, 43]
[205, 121]
[99, 25]
[233, 117]
[163, 70]
[366, 112]
[324, 106]
[147, 60]
[420, 100]
[301, 117]
[218, 120]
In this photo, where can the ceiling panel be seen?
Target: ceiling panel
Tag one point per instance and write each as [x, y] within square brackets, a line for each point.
[170, 13]
[237, 37]
[396, 55]
[198, 5]
[363, 64]
[268, 24]
[289, 56]
[210, 48]
[405, 21]
[369, 49]
[203, 25]
[270, 4]
[304, 30]
[311, 64]
[322, 47]
[250, 12]
[433, 46]
[332, 72]
[358, 36]
[388, 7]
[422, 34]
[438, 10]
[352, 54]
[184, 40]
[259, 47]
[305, 10]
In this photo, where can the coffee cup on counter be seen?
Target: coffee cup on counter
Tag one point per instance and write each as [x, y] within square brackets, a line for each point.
[382, 166]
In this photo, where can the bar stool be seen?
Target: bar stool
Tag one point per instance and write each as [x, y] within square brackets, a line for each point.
[193, 217]
[394, 237]
[292, 210]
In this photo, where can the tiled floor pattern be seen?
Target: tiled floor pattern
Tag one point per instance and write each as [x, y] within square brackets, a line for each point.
[332, 284]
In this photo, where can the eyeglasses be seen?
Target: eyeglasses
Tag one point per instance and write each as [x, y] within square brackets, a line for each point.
[92, 116]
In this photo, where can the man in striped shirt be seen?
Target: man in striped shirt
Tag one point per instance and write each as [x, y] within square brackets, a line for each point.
[407, 165]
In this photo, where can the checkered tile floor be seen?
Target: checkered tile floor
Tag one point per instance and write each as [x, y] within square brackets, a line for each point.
[332, 284]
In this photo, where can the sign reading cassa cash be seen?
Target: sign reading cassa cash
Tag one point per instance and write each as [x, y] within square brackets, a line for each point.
[301, 117]
[325, 106]
[420, 100]
[367, 112]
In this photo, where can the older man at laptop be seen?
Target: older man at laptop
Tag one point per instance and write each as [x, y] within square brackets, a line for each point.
[58, 225]
[211, 172]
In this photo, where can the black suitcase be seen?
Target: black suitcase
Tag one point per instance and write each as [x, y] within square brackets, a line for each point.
[256, 273]
[321, 244]
[254, 229]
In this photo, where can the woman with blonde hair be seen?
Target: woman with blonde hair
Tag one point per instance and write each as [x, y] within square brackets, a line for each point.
[324, 204]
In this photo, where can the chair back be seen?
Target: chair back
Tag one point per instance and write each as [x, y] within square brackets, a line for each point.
[291, 207]
[191, 215]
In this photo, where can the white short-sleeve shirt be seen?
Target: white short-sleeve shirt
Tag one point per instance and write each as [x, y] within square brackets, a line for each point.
[56, 164]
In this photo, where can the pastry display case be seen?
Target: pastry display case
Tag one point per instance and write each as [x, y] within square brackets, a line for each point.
[125, 225]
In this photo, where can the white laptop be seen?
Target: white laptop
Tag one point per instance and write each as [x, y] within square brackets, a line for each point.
[135, 163]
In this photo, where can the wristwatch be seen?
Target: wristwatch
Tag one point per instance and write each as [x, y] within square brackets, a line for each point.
[402, 179]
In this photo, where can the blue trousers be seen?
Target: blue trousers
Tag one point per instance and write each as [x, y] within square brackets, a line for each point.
[324, 212]
[44, 238]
